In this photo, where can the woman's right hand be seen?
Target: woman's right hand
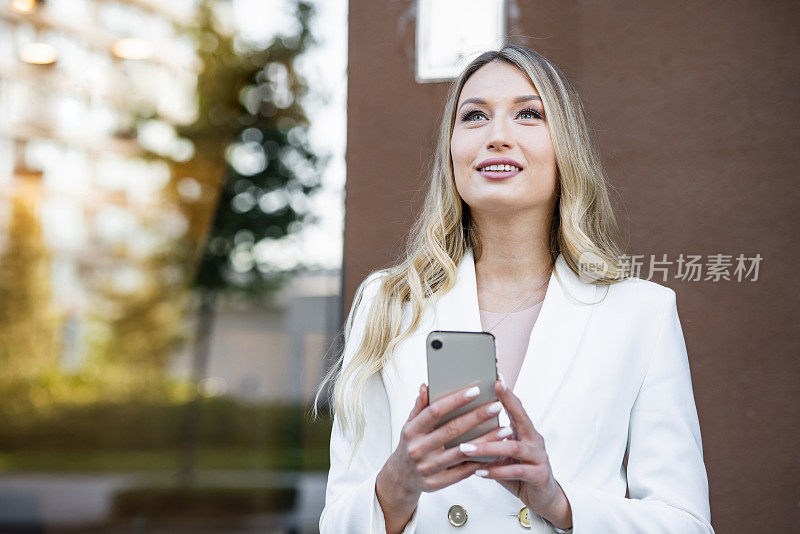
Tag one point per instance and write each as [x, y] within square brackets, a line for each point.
[421, 463]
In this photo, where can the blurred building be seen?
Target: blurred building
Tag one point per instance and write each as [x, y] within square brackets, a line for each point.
[90, 92]
[277, 353]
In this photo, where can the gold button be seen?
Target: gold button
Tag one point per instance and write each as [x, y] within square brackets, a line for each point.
[524, 518]
[457, 515]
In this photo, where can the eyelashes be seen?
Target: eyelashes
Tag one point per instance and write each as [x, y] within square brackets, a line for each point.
[467, 115]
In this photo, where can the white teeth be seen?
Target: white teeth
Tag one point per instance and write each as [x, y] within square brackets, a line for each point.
[501, 168]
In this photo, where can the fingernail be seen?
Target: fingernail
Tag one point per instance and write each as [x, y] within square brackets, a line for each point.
[482, 472]
[504, 432]
[472, 392]
[495, 407]
[502, 380]
[468, 447]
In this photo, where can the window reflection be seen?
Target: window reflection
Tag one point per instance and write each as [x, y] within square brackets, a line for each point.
[129, 401]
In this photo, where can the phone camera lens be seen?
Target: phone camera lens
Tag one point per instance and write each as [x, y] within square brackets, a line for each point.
[436, 344]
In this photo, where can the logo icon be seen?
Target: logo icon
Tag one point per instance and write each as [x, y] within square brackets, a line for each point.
[591, 267]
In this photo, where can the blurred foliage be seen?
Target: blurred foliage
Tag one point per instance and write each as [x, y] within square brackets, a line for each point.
[249, 103]
[248, 99]
[250, 145]
[29, 344]
[121, 400]
[132, 335]
[202, 502]
[139, 426]
[312, 456]
[132, 436]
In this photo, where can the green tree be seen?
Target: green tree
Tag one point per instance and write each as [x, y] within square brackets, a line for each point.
[29, 345]
[136, 332]
[249, 102]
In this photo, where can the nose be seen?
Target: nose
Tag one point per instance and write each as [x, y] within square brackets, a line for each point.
[499, 135]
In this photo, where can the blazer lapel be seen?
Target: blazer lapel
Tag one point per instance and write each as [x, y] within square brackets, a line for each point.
[555, 338]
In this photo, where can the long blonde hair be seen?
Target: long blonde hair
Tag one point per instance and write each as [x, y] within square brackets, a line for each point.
[583, 221]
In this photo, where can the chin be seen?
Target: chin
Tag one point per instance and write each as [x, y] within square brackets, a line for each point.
[498, 205]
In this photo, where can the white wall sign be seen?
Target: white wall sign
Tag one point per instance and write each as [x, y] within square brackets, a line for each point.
[450, 33]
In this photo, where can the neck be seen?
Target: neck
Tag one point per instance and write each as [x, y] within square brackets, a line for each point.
[515, 252]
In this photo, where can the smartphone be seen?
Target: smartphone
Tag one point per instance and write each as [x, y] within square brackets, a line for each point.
[457, 360]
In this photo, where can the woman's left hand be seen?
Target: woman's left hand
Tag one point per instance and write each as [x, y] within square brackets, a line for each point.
[523, 467]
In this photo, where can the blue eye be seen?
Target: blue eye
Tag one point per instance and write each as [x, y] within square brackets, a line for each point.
[470, 115]
[467, 117]
[532, 112]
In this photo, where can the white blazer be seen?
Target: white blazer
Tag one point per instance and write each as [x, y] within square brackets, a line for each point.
[597, 380]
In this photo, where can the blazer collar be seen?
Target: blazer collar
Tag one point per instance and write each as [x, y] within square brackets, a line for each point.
[555, 338]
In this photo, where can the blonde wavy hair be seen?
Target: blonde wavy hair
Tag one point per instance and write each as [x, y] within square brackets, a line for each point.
[583, 221]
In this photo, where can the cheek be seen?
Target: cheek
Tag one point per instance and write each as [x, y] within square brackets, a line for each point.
[540, 147]
[464, 151]
[460, 169]
[461, 151]
[461, 182]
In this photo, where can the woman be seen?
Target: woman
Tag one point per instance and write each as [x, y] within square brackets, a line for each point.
[597, 399]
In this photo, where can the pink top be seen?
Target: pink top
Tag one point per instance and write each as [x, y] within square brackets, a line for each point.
[512, 337]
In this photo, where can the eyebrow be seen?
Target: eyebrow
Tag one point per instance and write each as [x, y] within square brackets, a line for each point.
[481, 101]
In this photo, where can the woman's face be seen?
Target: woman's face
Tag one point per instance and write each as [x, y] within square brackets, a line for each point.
[503, 157]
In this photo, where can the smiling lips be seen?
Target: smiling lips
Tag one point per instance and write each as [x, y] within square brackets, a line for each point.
[498, 168]
[499, 171]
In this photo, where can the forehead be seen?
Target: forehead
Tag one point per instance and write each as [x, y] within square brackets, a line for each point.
[497, 80]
